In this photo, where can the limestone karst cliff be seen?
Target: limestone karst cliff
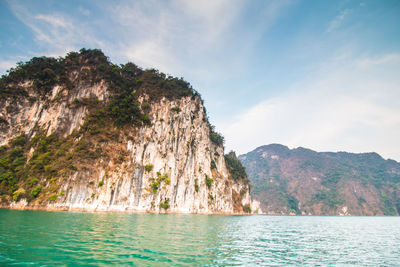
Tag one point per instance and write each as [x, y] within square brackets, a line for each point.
[79, 133]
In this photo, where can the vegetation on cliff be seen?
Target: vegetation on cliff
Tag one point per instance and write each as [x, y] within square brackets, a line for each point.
[54, 156]
[126, 82]
[35, 166]
[235, 167]
[53, 159]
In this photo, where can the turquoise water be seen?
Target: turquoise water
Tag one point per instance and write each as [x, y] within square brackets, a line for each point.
[62, 238]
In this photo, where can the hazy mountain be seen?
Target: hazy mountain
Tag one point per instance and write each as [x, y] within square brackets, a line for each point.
[302, 181]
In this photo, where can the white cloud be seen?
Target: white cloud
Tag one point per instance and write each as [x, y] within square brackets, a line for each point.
[348, 104]
[84, 11]
[55, 33]
[171, 36]
[54, 21]
[196, 39]
[338, 20]
[202, 39]
[376, 61]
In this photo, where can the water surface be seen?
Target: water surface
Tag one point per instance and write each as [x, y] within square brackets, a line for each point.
[63, 238]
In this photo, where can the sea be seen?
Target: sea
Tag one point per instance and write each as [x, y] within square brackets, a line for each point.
[40, 238]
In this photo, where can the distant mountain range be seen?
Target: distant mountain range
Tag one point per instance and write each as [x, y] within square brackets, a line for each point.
[303, 181]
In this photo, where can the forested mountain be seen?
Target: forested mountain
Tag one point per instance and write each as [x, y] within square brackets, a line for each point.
[302, 181]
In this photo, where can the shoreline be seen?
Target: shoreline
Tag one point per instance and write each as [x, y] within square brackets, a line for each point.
[77, 210]
[68, 209]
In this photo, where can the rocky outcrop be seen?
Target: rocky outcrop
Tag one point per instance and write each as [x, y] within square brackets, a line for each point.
[77, 158]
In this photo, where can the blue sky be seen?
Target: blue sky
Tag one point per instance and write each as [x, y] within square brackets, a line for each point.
[318, 74]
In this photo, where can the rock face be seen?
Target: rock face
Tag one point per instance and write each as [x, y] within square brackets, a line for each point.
[71, 153]
[302, 181]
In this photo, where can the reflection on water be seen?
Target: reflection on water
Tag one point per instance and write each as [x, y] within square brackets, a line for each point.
[54, 238]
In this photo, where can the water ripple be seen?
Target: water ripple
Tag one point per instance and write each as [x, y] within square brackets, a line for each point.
[58, 238]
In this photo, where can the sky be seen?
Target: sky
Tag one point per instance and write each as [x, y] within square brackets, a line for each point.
[324, 75]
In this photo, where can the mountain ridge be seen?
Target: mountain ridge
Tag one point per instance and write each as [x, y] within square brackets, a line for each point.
[303, 181]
